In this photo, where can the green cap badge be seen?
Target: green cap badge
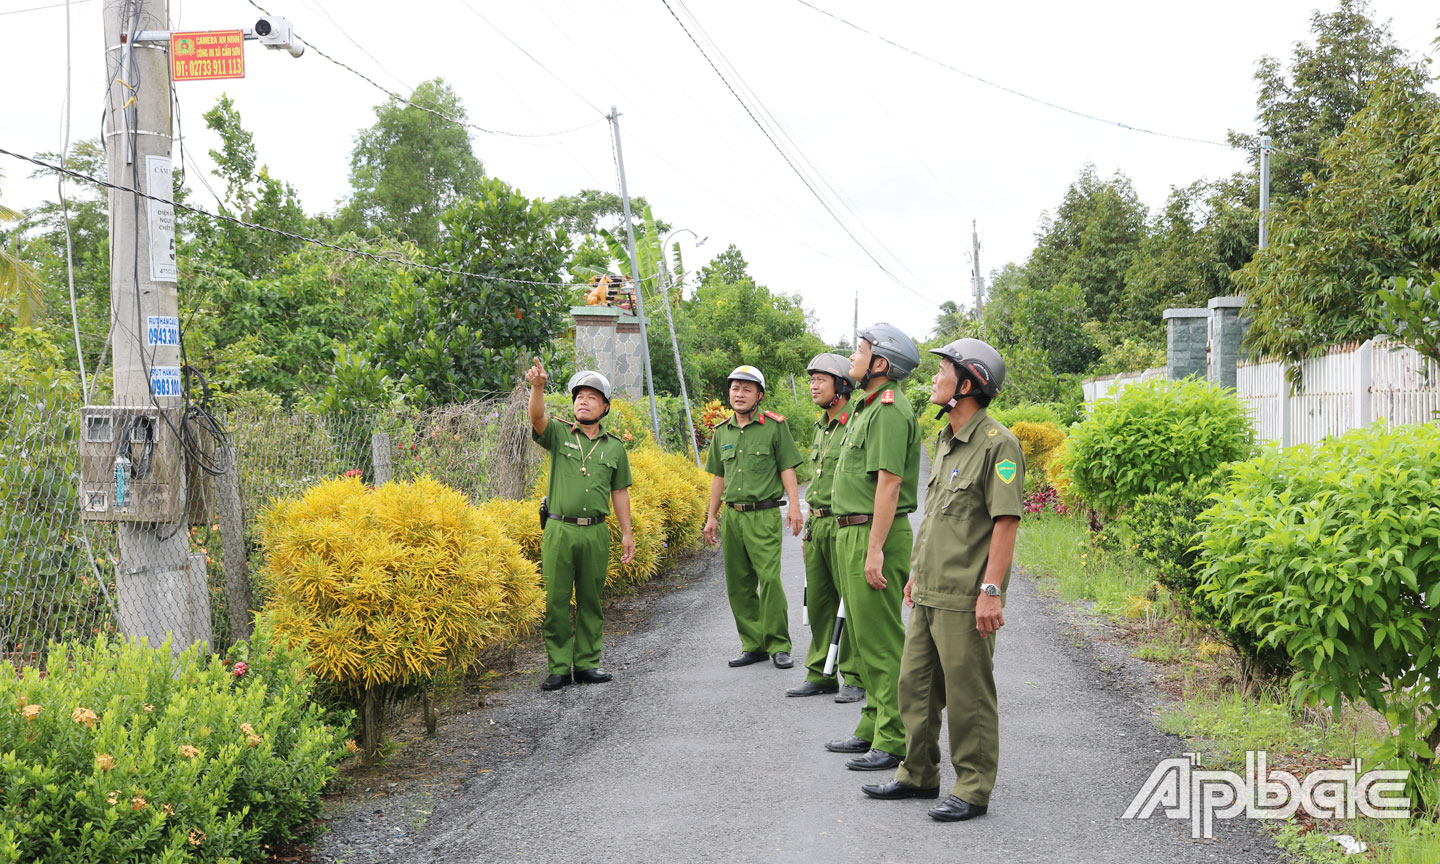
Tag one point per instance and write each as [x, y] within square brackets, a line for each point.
[1006, 471]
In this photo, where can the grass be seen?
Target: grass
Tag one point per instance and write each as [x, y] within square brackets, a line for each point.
[1217, 708]
[1058, 549]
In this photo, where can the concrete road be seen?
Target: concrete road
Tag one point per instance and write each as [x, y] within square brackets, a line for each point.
[682, 758]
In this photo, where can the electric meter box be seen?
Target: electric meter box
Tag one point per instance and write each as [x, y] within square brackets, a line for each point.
[131, 469]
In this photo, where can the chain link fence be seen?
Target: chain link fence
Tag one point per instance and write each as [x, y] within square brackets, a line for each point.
[143, 520]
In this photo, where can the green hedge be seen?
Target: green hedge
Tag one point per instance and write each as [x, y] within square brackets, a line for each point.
[1152, 434]
[1331, 553]
[119, 752]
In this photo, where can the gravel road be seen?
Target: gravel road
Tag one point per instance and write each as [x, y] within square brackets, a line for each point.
[682, 758]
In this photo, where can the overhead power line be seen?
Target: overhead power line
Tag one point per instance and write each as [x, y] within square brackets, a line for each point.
[442, 115]
[48, 6]
[790, 162]
[1012, 91]
[279, 232]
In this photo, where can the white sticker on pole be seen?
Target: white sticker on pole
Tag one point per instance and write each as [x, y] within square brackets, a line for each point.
[165, 380]
[158, 182]
[162, 330]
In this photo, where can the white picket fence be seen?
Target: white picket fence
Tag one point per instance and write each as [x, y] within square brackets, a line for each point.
[1349, 387]
[1108, 385]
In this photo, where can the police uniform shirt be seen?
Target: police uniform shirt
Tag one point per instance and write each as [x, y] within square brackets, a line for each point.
[750, 458]
[824, 454]
[880, 435]
[583, 470]
[978, 474]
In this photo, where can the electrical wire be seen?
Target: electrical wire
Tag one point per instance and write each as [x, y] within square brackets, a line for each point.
[521, 49]
[289, 235]
[1003, 88]
[50, 6]
[788, 161]
[65, 210]
[442, 115]
[782, 129]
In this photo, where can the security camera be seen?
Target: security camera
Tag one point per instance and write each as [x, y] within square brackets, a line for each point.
[276, 34]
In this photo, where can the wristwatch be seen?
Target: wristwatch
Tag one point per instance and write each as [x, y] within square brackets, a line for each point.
[991, 589]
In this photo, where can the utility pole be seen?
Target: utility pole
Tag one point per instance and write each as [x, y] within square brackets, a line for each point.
[675, 345]
[152, 576]
[978, 283]
[1264, 191]
[614, 118]
[855, 326]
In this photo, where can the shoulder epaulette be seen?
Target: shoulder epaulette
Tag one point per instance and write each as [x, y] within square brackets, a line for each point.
[887, 398]
[773, 416]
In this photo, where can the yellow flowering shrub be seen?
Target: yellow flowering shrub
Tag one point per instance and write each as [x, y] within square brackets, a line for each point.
[1059, 479]
[388, 586]
[1038, 441]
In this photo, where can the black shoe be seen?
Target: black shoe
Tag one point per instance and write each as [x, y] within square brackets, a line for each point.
[848, 745]
[592, 676]
[810, 688]
[895, 790]
[748, 657]
[850, 693]
[953, 809]
[875, 760]
[555, 682]
[782, 660]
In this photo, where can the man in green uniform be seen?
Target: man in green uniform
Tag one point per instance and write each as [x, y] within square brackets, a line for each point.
[962, 567]
[830, 388]
[874, 491]
[753, 458]
[589, 472]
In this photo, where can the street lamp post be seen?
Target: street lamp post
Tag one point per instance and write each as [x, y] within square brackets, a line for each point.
[674, 343]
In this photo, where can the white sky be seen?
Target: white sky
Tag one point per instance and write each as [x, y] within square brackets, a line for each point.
[916, 151]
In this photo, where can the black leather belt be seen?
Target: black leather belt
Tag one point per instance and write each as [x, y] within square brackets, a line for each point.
[820, 512]
[579, 520]
[858, 519]
[758, 505]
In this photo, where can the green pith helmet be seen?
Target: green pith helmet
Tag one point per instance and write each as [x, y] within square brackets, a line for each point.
[890, 342]
[836, 367]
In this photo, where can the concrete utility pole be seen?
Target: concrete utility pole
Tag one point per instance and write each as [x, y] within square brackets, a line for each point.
[614, 118]
[674, 343]
[1264, 191]
[153, 577]
[978, 283]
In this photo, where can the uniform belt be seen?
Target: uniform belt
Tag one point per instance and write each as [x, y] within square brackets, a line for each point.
[858, 519]
[579, 520]
[758, 505]
[820, 512]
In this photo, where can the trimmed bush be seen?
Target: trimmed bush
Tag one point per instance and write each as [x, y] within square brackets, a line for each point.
[1163, 528]
[1038, 441]
[388, 586]
[1152, 434]
[119, 752]
[1331, 553]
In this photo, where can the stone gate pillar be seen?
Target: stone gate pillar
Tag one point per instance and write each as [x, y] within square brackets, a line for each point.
[607, 340]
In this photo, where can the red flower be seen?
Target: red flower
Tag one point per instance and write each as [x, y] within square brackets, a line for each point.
[241, 668]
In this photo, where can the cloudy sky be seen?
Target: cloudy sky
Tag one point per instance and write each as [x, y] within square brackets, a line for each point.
[905, 153]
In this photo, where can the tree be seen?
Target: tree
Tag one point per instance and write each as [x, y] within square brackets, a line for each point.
[1091, 242]
[411, 166]
[1374, 216]
[728, 266]
[454, 337]
[18, 282]
[251, 195]
[1329, 82]
[581, 213]
[734, 322]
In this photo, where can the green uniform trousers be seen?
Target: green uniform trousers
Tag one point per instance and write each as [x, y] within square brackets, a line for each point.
[876, 629]
[751, 541]
[822, 596]
[948, 665]
[573, 559]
